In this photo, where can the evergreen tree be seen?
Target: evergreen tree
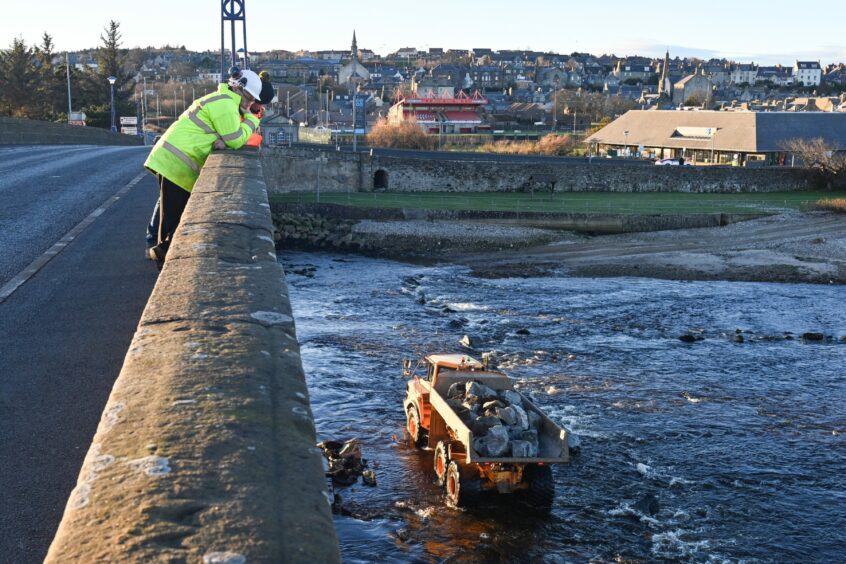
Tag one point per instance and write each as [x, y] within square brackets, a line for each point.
[50, 89]
[110, 59]
[18, 70]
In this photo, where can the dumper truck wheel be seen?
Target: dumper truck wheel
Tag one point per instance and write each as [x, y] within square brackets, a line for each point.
[415, 431]
[462, 485]
[440, 463]
[541, 489]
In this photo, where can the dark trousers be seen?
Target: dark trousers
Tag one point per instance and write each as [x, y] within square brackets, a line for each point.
[153, 227]
[172, 202]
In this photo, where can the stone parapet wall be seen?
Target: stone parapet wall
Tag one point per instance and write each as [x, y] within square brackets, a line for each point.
[301, 169]
[33, 132]
[206, 448]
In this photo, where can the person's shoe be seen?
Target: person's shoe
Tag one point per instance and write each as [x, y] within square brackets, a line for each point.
[156, 253]
[151, 253]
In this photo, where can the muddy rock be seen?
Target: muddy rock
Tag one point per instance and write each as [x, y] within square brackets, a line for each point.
[508, 415]
[456, 390]
[471, 407]
[480, 392]
[494, 444]
[468, 342]
[344, 461]
[521, 449]
[492, 405]
[522, 416]
[368, 477]
[511, 397]
[648, 505]
[482, 424]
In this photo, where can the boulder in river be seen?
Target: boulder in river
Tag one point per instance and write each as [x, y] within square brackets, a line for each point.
[648, 505]
[812, 336]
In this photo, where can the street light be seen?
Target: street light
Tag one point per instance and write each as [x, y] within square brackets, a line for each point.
[112, 80]
[713, 141]
[555, 104]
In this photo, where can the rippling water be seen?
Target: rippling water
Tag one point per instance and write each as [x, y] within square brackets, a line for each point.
[742, 443]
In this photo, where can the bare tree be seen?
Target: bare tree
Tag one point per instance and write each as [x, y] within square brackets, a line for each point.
[826, 162]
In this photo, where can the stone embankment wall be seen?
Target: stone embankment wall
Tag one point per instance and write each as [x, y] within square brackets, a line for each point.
[33, 132]
[304, 169]
[206, 448]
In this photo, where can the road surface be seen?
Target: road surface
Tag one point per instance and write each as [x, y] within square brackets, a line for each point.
[64, 331]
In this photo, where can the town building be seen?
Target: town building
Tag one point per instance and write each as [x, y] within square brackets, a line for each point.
[744, 73]
[693, 90]
[442, 114]
[715, 137]
[353, 73]
[807, 73]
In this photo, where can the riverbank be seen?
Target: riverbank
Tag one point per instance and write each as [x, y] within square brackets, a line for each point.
[801, 247]
[792, 247]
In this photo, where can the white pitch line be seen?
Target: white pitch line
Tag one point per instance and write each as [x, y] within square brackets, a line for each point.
[21, 278]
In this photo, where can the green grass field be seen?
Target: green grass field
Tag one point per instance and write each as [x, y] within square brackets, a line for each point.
[570, 202]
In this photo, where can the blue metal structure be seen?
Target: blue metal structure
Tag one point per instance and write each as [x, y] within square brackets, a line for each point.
[232, 11]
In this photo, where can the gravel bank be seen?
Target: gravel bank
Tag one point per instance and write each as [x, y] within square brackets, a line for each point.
[794, 247]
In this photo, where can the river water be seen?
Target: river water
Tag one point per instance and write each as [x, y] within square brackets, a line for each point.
[743, 444]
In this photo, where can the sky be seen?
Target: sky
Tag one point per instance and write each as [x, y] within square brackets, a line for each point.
[762, 31]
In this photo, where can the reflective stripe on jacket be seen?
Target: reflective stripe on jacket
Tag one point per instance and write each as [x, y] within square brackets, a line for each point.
[183, 149]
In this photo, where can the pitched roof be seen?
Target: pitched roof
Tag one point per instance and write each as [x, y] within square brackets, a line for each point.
[747, 132]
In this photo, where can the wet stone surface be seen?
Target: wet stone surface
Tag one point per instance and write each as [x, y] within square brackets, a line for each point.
[703, 451]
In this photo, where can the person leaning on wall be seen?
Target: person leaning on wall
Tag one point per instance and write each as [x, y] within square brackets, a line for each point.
[256, 108]
[212, 122]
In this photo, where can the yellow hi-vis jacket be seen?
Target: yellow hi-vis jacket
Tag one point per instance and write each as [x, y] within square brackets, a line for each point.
[183, 149]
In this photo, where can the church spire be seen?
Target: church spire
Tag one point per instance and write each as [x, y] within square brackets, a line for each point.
[354, 48]
[662, 84]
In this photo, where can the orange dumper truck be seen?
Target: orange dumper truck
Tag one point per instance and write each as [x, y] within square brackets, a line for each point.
[485, 434]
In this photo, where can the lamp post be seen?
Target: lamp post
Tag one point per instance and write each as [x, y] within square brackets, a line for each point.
[112, 80]
[555, 105]
[713, 142]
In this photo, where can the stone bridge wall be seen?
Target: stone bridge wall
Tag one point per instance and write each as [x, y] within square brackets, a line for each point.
[296, 169]
[206, 448]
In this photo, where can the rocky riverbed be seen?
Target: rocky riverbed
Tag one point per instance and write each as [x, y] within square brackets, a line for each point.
[791, 247]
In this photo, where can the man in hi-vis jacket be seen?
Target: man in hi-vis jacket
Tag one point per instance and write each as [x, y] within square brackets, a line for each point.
[212, 122]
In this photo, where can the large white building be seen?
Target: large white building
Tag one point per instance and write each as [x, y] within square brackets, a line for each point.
[807, 73]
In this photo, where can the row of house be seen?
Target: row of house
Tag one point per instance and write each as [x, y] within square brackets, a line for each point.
[718, 138]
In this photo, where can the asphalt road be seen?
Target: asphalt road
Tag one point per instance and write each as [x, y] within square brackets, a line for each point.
[63, 333]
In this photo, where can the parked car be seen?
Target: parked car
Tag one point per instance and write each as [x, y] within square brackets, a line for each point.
[671, 162]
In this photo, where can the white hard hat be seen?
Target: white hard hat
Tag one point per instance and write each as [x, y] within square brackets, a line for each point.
[249, 81]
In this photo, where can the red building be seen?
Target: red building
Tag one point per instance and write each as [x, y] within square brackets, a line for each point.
[459, 114]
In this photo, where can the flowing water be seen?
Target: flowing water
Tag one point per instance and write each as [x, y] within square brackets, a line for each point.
[742, 443]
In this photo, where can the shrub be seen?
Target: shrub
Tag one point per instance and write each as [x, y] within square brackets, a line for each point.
[404, 135]
[832, 204]
[555, 144]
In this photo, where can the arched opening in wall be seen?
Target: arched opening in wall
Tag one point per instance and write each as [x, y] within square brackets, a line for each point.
[380, 180]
